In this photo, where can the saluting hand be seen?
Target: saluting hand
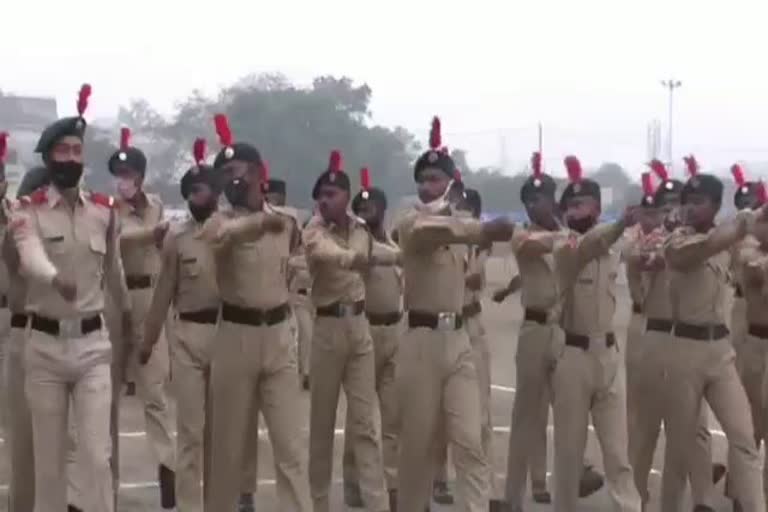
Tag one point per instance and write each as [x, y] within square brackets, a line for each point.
[212, 230]
[66, 288]
[499, 229]
[273, 224]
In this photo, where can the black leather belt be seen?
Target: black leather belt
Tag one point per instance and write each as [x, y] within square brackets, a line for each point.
[472, 309]
[701, 332]
[659, 325]
[53, 327]
[204, 316]
[738, 291]
[384, 318]
[340, 309]
[255, 317]
[758, 331]
[534, 315]
[138, 282]
[302, 291]
[19, 321]
[433, 321]
[637, 308]
[583, 342]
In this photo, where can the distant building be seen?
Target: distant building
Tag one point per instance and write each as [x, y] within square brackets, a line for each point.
[24, 118]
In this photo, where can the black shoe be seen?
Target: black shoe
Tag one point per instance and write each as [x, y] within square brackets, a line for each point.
[737, 506]
[72, 508]
[393, 500]
[441, 494]
[246, 503]
[703, 508]
[718, 472]
[305, 383]
[167, 479]
[352, 496]
[495, 505]
[591, 482]
[542, 497]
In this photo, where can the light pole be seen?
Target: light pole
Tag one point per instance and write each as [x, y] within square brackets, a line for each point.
[671, 85]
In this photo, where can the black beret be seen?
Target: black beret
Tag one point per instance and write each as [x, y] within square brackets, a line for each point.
[746, 195]
[436, 158]
[372, 194]
[32, 180]
[541, 184]
[276, 187]
[704, 184]
[238, 151]
[131, 157]
[199, 174]
[68, 126]
[583, 188]
[329, 177]
[667, 192]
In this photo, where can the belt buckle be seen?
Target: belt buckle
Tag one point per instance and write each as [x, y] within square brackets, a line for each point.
[446, 321]
[346, 309]
[70, 328]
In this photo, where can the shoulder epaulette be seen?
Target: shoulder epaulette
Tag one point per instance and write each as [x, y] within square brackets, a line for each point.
[102, 200]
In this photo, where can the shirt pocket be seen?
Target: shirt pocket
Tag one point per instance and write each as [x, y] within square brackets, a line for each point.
[190, 268]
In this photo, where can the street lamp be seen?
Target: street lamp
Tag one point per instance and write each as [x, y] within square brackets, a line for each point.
[671, 85]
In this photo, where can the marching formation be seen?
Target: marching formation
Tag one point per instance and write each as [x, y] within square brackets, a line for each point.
[242, 308]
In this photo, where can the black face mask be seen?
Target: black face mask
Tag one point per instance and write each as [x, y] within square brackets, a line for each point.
[65, 174]
[236, 192]
[201, 212]
[581, 225]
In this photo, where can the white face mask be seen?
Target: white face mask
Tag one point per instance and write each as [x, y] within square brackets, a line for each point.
[127, 188]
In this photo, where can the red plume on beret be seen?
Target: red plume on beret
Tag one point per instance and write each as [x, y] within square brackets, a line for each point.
[692, 165]
[738, 175]
[573, 166]
[660, 169]
[536, 164]
[264, 172]
[223, 130]
[82, 99]
[762, 193]
[334, 163]
[365, 178]
[435, 137]
[647, 179]
[198, 150]
[3, 146]
[125, 138]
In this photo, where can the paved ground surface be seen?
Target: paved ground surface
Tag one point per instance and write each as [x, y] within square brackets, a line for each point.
[139, 492]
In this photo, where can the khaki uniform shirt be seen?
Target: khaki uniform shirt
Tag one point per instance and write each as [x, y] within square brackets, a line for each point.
[533, 249]
[384, 282]
[587, 266]
[752, 265]
[299, 277]
[79, 243]
[656, 283]
[137, 243]
[187, 276]
[330, 253]
[253, 272]
[700, 263]
[17, 285]
[435, 259]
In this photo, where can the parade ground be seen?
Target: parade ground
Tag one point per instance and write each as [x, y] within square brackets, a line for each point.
[139, 492]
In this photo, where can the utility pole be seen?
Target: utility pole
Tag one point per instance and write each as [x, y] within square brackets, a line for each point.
[541, 138]
[671, 85]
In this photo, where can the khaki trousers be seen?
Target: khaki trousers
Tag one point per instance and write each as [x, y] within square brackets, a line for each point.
[527, 453]
[21, 489]
[5, 333]
[633, 362]
[249, 480]
[738, 324]
[437, 388]
[588, 382]
[645, 424]
[706, 369]
[58, 369]
[343, 355]
[386, 339]
[304, 319]
[255, 365]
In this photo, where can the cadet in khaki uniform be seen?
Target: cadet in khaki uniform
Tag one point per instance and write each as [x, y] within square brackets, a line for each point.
[384, 309]
[587, 378]
[254, 358]
[5, 314]
[143, 229]
[646, 259]
[437, 381]
[187, 279]
[536, 345]
[338, 248]
[65, 237]
[700, 357]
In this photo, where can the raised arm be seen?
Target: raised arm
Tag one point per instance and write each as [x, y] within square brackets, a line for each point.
[321, 248]
[573, 254]
[533, 244]
[684, 251]
[113, 265]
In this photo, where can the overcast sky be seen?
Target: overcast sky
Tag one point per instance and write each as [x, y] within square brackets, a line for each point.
[589, 70]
